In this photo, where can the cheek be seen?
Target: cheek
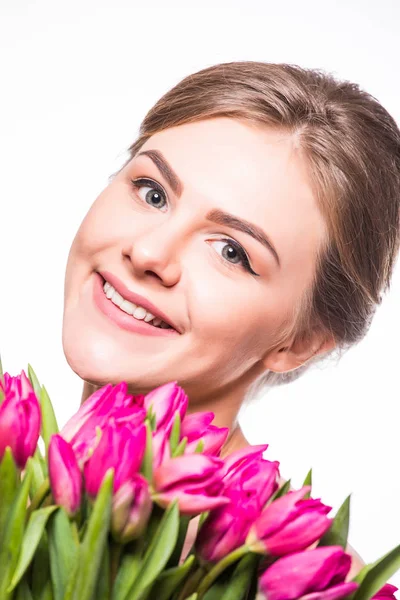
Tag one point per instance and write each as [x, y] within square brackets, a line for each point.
[229, 316]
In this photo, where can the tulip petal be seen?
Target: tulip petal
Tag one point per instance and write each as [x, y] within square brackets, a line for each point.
[190, 504]
[65, 476]
[195, 424]
[333, 593]
[301, 573]
[191, 468]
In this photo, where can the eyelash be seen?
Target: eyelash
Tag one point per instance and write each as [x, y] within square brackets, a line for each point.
[144, 182]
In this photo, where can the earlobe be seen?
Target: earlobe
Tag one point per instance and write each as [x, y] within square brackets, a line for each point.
[296, 353]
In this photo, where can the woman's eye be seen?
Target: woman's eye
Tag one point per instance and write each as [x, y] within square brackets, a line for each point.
[234, 253]
[150, 192]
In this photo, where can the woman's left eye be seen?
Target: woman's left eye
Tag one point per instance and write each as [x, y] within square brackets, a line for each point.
[234, 253]
[150, 192]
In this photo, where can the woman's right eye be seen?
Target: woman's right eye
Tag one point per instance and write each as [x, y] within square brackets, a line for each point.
[150, 192]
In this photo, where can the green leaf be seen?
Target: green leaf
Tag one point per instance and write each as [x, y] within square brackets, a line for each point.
[23, 592]
[184, 521]
[167, 583]
[158, 553]
[32, 536]
[308, 481]
[339, 530]
[13, 533]
[39, 473]
[147, 463]
[93, 544]
[200, 447]
[47, 592]
[63, 551]
[280, 491]
[373, 576]
[34, 381]
[242, 578]
[49, 421]
[180, 449]
[175, 433]
[9, 482]
[128, 571]
[192, 597]
[102, 591]
[1, 368]
[41, 577]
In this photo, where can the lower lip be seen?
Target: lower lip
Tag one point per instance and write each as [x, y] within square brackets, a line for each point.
[122, 319]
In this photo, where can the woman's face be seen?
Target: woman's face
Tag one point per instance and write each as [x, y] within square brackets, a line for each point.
[215, 224]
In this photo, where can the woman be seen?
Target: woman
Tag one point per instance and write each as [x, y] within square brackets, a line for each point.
[251, 232]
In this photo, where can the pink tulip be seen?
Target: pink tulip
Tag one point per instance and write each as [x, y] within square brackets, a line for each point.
[317, 574]
[197, 427]
[131, 509]
[20, 418]
[65, 475]
[120, 448]
[289, 524]
[386, 592]
[248, 488]
[165, 401]
[108, 404]
[193, 479]
[237, 460]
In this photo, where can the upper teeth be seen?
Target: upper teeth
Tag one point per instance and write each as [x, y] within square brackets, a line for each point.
[138, 312]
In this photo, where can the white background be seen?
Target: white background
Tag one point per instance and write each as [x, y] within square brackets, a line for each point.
[76, 79]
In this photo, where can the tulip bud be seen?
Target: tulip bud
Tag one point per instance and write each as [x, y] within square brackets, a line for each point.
[107, 403]
[165, 401]
[64, 474]
[197, 427]
[193, 479]
[120, 448]
[131, 510]
[301, 574]
[248, 488]
[289, 524]
[20, 418]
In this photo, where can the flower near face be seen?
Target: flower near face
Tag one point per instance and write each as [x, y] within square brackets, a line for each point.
[289, 524]
[65, 475]
[131, 509]
[109, 402]
[121, 448]
[20, 418]
[197, 428]
[164, 402]
[248, 487]
[317, 574]
[386, 592]
[194, 480]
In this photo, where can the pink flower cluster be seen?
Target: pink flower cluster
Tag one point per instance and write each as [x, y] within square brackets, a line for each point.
[111, 430]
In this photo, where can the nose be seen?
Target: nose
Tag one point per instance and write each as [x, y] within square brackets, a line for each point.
[155, 253]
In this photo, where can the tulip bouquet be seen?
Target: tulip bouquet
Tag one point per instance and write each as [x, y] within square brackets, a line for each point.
[131, 501]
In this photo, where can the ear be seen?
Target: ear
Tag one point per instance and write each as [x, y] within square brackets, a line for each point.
[298, 351]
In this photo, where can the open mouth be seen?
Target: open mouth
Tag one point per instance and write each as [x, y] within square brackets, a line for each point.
[135, 311]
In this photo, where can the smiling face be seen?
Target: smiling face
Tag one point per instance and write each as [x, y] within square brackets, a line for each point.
[225, 253]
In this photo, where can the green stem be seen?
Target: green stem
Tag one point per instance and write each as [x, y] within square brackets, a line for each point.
[116, 551]
[191, 583]
[219, 568]
[40, 495]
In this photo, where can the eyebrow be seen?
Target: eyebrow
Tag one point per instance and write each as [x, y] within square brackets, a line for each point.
[216, 215]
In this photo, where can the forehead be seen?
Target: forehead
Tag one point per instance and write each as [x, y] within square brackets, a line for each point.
[255, 173]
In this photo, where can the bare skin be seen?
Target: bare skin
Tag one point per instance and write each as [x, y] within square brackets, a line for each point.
[229, 291]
